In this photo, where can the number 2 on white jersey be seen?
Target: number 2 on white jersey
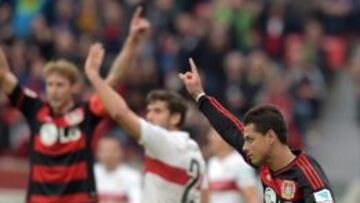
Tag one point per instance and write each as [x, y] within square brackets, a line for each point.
[195, 174]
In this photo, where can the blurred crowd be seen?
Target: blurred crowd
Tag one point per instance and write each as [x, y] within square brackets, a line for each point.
[281, 52]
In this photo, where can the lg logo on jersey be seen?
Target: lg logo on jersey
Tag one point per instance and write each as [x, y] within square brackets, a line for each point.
[50, 134]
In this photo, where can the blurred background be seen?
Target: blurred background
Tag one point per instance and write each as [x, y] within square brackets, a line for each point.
[303, 56]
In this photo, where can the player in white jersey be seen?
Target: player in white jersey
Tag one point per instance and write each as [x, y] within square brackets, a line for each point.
[231, 179]
[174, 165]
[115, 181]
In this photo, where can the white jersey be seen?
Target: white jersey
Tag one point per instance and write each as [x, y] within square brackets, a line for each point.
[174, 166]
[228, 176]
[122, 185]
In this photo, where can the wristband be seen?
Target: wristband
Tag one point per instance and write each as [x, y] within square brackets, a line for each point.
[199, 96]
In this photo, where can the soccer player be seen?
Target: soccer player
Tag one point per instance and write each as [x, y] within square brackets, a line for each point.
[115, 181]
[231, 179]
[287, 176]
[174, 165]
[61, 160]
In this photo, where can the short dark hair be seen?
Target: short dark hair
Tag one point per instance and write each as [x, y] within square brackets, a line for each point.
[266, 117]
[175, 102]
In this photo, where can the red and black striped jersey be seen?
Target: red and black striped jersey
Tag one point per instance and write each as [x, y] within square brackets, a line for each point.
[302, 181]
[61, 159]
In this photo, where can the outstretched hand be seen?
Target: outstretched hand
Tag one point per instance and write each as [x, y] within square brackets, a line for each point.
[139, 25]
[94, 60]
[192, 81]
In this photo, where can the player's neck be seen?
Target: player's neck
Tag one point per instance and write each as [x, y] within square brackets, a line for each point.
[280, 158]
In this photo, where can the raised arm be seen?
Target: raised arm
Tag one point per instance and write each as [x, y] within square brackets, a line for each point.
[8, 81]
[139, 26]
[114, 104]
[21, 98]
[225, 123]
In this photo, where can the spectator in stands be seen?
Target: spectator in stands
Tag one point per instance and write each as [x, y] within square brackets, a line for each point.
[206, 30]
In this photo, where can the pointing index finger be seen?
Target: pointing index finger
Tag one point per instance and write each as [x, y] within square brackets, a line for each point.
[137, 13]
[193, 66]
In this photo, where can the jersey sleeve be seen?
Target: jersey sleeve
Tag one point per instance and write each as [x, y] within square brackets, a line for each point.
[316, 187]
[224, 122]
[96, 106]
[154, 139]
[26, 100]
[95, 111]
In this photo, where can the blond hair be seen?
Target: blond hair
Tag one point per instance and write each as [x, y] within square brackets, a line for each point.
[64, 68]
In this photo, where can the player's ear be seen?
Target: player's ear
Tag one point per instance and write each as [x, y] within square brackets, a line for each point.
[270, 136]
[175, 119]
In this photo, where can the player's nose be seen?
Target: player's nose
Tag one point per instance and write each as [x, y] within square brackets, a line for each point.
[245, 148]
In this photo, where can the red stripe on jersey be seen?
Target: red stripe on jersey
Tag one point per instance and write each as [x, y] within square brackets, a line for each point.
[225, 185]
[307, 174]
[73, 198]
[221, 109]
[313, 172]
[59, 148]
[165, 171]
[59, 174]
[310, 174]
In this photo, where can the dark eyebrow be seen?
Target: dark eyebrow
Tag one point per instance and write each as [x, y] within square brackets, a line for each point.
[248, 137]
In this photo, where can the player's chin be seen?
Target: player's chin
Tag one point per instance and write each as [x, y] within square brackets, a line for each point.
[255, 162]
[55, 104]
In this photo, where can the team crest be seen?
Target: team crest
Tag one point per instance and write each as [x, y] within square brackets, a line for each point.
[288, 189]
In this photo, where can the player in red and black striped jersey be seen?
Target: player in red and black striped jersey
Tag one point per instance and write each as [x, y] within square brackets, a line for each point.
[60, 142]
[287, 176]
[61, 160]
[60, 153]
